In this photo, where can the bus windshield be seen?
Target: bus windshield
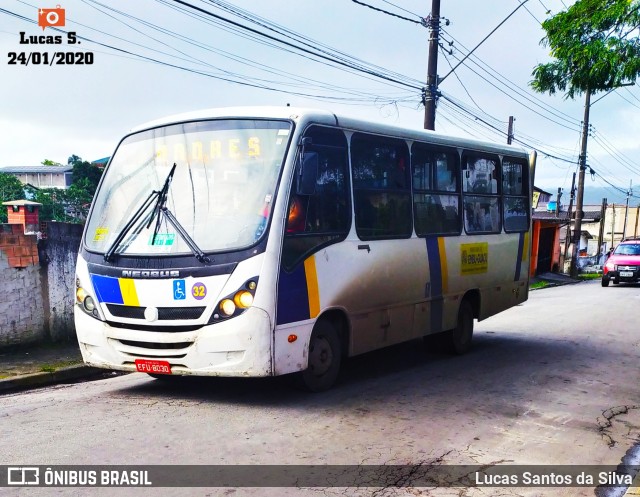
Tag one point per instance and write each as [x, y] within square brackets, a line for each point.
[221, 191]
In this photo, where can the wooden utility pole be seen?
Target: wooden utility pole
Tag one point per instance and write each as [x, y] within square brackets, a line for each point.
[577, 230]
[432, 67]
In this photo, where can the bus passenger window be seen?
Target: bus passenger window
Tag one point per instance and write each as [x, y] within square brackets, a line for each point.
[436, 203]
[381, 185]
[516, 206]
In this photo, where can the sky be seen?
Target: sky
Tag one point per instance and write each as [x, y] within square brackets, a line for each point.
[152, 58]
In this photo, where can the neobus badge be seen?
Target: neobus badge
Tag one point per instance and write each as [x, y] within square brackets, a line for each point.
[128, 273]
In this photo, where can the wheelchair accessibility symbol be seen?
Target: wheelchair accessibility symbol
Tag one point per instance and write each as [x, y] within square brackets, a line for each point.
[179, 287]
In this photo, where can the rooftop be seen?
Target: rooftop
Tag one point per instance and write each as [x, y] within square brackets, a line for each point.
[36, 169]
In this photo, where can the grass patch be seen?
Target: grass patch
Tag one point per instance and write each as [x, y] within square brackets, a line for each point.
[50, 368]
[538, 284]
[590, 276]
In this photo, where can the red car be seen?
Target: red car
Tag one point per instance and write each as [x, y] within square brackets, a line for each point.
[623, 265]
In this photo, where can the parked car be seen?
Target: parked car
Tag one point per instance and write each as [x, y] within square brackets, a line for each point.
[623, 265]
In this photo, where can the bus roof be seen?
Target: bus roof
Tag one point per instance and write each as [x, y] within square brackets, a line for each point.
[303, 116]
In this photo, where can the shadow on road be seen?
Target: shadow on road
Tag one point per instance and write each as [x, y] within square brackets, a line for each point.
[502, 371]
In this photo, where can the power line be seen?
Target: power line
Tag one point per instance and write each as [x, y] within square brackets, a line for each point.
[386, 12]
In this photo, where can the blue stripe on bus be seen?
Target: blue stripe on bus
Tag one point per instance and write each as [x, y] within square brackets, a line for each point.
[519, 259]
[107, 289]
[293, 297]
[435, 294]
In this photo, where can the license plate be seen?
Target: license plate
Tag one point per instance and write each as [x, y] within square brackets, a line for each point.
[155, 367]
[626, 274]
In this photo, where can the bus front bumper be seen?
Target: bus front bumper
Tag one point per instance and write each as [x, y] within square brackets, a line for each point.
[240, 346]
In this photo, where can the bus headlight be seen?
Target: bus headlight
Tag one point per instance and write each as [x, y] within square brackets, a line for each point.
[243, 299]
[85, 301]
[236, 303]
[227, 307]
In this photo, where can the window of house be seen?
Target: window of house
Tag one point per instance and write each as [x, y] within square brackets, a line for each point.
[436, 201]
[382, 187]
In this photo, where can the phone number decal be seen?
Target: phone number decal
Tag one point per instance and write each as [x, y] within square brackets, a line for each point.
[50, 59]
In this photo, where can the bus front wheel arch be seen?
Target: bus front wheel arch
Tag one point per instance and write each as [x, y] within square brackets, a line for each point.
[325, 357]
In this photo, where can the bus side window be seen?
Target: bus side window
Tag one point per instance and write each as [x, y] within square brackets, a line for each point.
[515, 200]
[382, 187]
[480, 174]
[436, 201]
[324, 216]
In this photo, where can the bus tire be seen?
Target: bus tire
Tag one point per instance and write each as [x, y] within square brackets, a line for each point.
[460, 337]
[325, 354]
[605, 281]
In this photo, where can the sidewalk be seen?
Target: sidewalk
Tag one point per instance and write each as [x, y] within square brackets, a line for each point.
[41, 365]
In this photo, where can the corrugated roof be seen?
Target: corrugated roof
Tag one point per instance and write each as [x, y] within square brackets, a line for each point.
[36, 169]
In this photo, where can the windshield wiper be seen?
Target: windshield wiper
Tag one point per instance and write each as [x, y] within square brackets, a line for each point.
[160, 198]
[185, 236]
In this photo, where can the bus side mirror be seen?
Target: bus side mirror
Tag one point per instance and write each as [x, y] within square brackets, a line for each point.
[308, 174]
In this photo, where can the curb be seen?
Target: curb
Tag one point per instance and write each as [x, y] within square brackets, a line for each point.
[34, 380]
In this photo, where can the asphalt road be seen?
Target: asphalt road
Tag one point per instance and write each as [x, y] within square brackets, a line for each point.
[554, 381]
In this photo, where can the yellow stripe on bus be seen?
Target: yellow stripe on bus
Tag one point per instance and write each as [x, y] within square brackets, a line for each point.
[312, 286]
[128, 289]
[525, 248]
[443, 266]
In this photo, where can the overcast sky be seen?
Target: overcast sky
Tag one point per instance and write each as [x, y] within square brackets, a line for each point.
[52, 112]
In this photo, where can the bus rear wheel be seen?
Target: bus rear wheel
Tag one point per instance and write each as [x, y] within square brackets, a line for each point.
[459, 338]
[325, 354]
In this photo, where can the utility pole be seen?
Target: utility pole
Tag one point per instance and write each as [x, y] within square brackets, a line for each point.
[577, 230]
[432, 67]
[626, 212]
[510, 130]
[567, 238]
[603, 213]
[558, 201]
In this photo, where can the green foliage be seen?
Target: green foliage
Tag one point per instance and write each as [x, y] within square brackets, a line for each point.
[596, 47]
[10, 189]
[86, 176]
[70, 205]
[48, 162]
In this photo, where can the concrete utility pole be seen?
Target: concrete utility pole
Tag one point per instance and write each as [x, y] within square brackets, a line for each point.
[577, 230]
[510, 130]
[626, 212]
[432, 67]
[567, 238]
[603, 214]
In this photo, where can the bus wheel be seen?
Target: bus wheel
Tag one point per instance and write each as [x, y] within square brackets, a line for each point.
[460, 337]
[605, 281]
[324, 358]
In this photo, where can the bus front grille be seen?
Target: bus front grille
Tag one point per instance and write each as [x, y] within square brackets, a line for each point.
[164, 313]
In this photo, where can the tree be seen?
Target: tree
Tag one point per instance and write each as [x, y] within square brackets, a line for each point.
[596, 47]
[10, 189]
[48, 162]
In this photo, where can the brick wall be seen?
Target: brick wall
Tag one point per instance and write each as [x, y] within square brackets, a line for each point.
[37, 284]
